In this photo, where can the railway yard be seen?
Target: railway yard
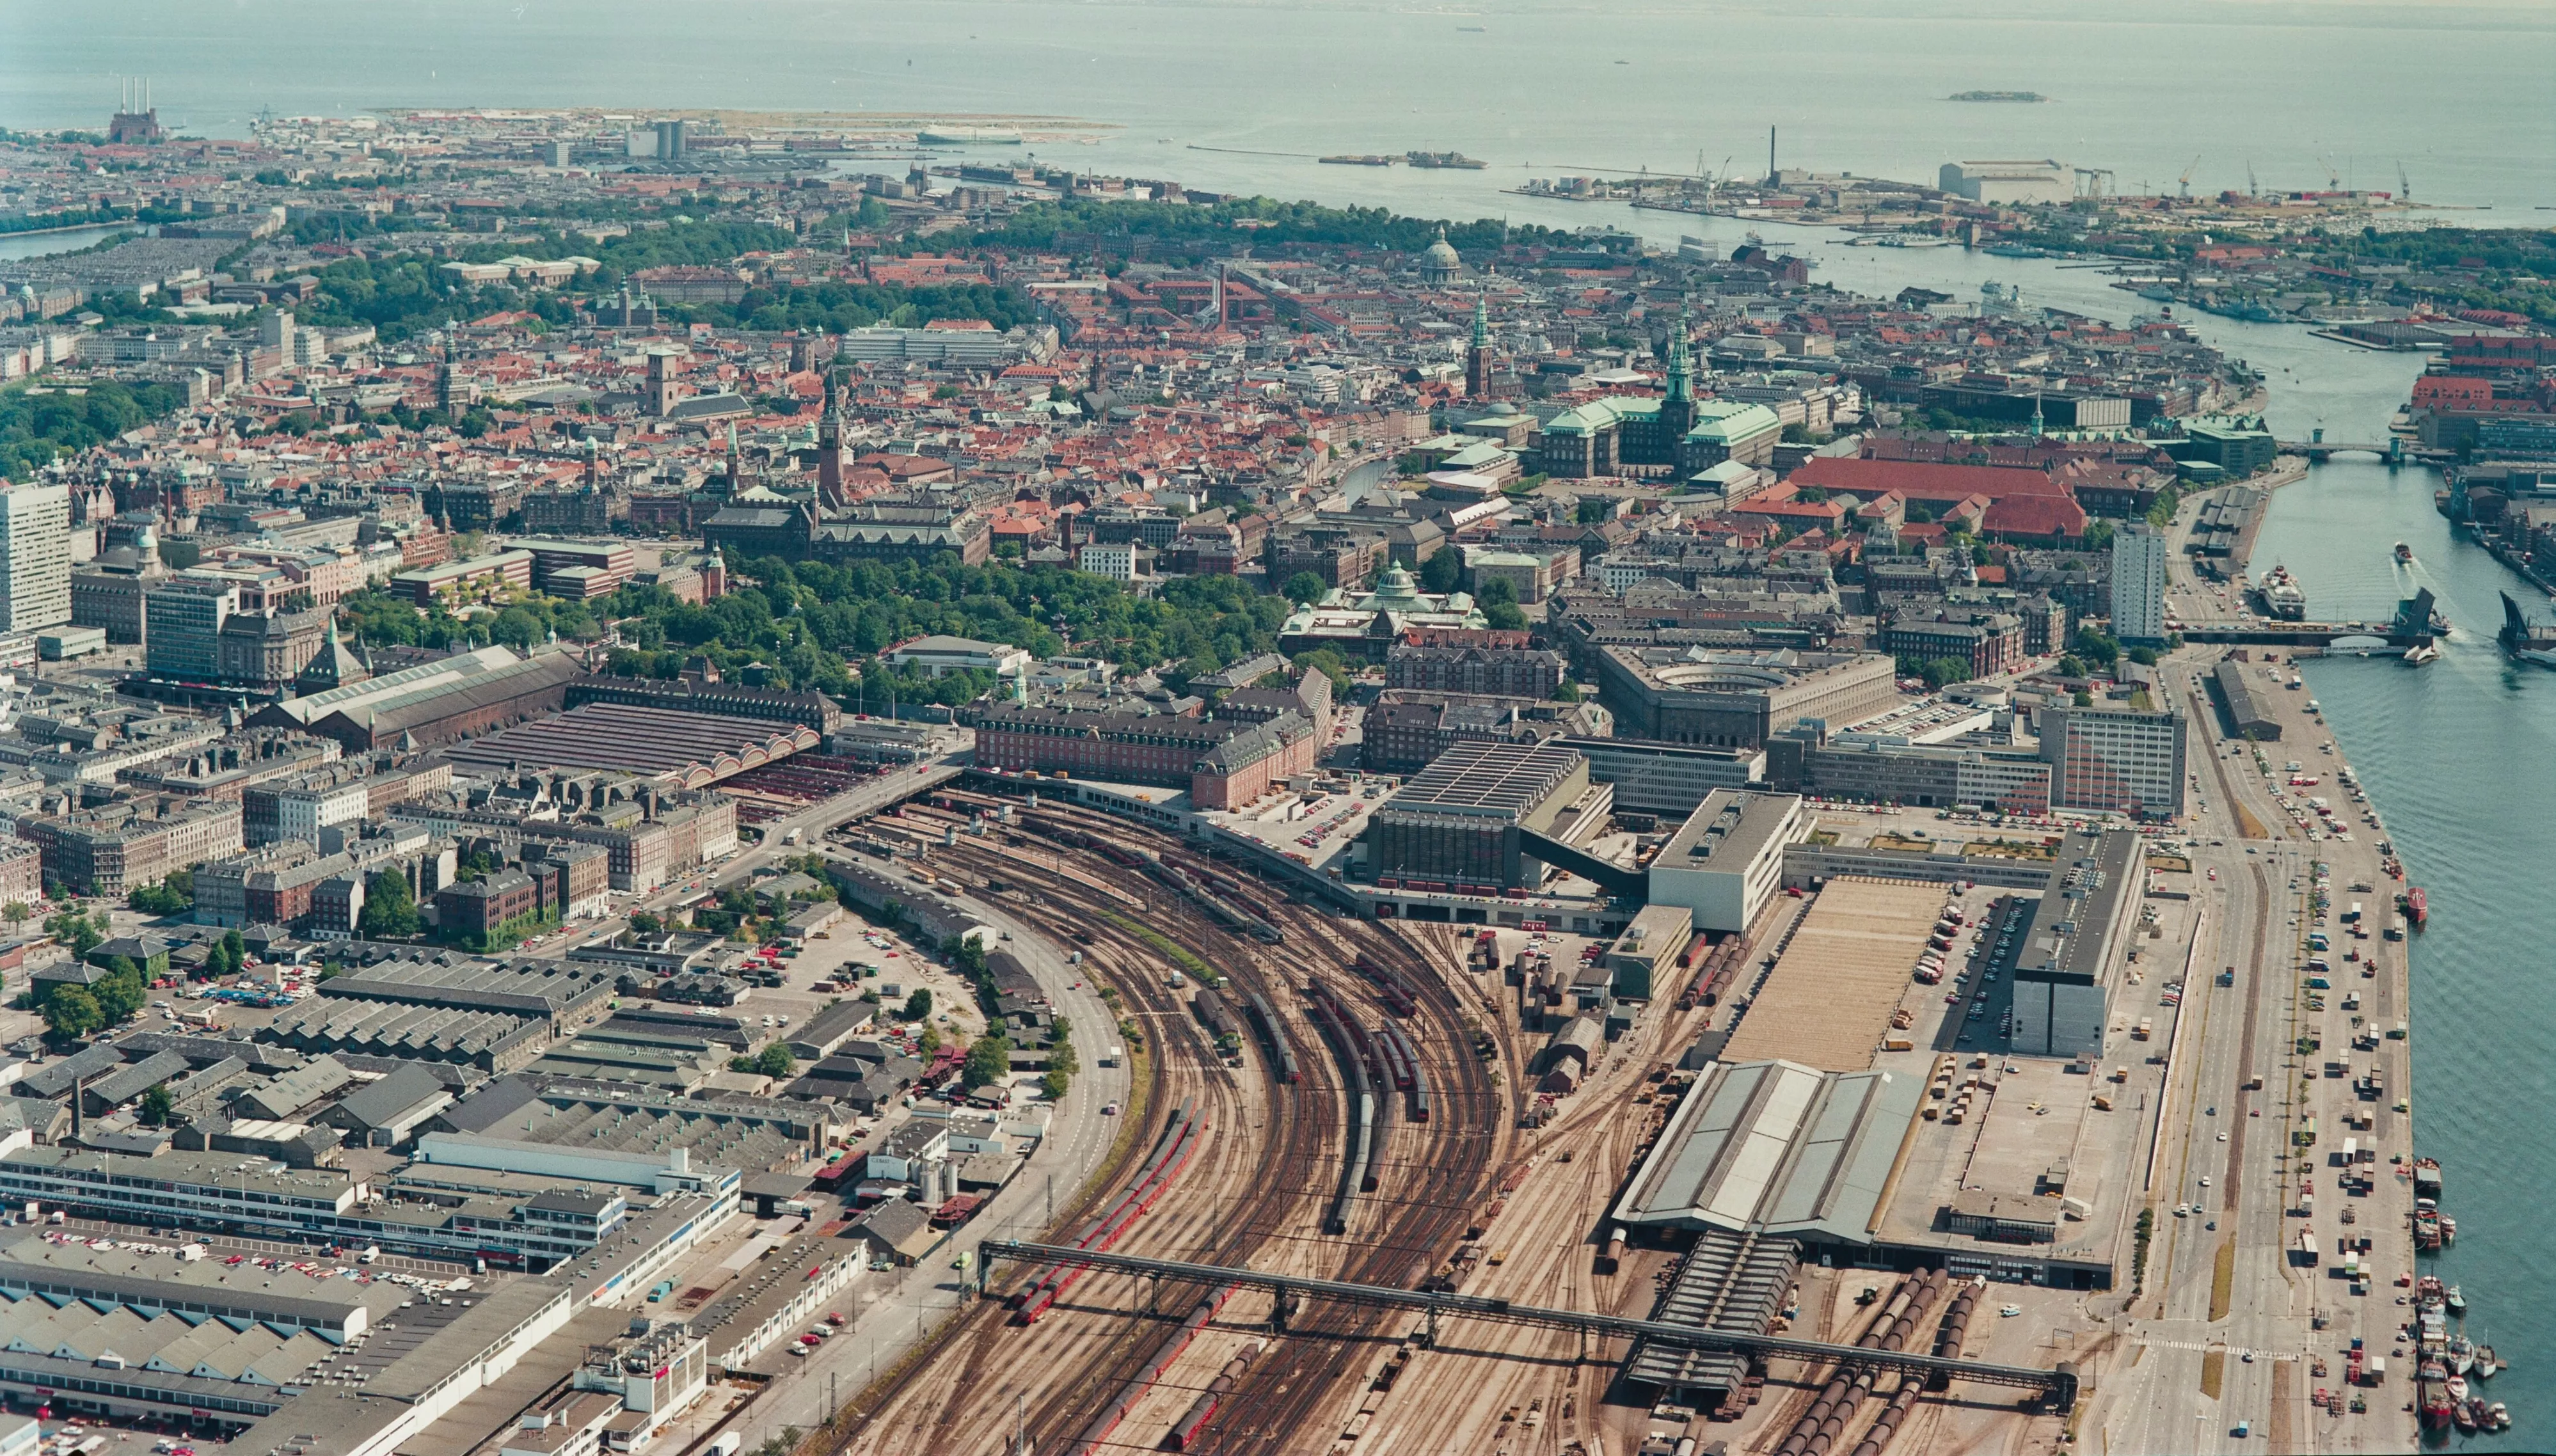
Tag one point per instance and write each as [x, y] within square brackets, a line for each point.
[1362, 1101]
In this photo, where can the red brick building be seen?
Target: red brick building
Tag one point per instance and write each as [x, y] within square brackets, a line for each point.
[1222, 763]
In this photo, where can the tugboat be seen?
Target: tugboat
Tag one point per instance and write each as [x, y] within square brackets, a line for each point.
[2414, 908]
[2404, 555]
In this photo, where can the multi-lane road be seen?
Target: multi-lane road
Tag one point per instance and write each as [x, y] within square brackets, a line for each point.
[2226, 1303]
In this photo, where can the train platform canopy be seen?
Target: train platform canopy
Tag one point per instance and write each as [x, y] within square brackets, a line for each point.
[679, 750]
[1779, 1148]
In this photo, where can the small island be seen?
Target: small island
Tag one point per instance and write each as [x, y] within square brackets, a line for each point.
[1998, 96]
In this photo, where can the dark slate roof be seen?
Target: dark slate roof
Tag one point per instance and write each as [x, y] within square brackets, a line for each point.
[385, 1101]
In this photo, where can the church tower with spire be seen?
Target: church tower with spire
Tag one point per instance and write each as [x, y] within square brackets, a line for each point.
[1477, 354]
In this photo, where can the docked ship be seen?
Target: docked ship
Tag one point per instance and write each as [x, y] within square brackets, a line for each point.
[2526, 641]
[1345, 158]
[2283, 600]
[2415, 909]
[1998, 96]
[2427, 1177]
[2434, 1399]
[1456, 160]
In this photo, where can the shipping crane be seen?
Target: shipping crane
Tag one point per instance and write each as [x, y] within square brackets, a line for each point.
[2252, 191]
[2184, 183]
[2333, 179]
[2404, 186]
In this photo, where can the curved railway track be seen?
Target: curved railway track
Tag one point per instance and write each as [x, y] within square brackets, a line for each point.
[1062, 1385]
[1277, 1149]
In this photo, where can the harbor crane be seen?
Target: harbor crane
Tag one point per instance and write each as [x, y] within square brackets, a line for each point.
[2252, 191]
[2333, 179]
[2184, 183]
[2405, 185]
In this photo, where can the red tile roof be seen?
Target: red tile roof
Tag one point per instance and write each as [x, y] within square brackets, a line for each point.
[1923, 482]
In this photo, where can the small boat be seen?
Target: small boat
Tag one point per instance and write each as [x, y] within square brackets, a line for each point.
[2404, 553]
[2485, 1363]
[2463, 1414]
[2499, 1415]
[2449, 1235]
[2420, 654]
[2459, 1355]
[2458, 1388]
[2457, 1302]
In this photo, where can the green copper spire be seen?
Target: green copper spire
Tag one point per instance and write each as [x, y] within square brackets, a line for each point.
[1481, 318]
[1681, 387]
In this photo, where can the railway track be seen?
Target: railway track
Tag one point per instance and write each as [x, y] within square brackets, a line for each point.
[1223, 1210]
[1259, 1198]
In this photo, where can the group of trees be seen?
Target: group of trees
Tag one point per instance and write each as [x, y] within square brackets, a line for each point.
[121, 989]
[526, 617]
[774, 1061]
[390, 909]
[38, 424]
[812, 625]
[226, 957]
[175, 894]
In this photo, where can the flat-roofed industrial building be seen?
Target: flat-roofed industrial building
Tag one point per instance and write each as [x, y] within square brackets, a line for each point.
[2076, 938]
[1728, 859]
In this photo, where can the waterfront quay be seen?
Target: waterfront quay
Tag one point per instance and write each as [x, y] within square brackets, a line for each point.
[2283, 1057]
